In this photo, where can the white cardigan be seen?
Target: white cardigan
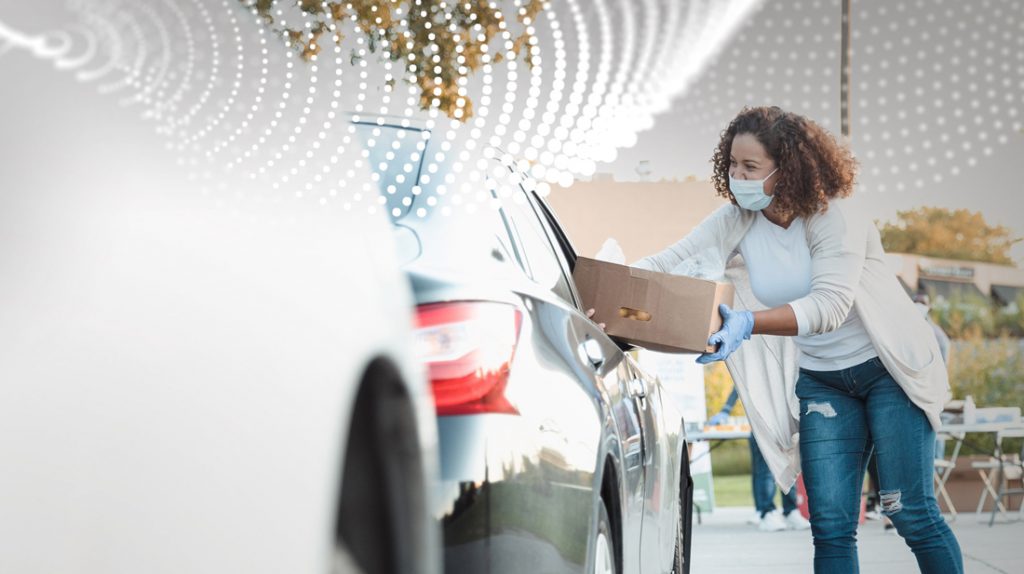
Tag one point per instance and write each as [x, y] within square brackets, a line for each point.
[847, 269]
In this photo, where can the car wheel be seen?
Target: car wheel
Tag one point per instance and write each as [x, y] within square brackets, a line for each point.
[681, 562]
[604, 546]
[380, 518]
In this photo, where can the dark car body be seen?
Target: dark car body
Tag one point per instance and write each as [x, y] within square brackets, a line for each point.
[569, 423]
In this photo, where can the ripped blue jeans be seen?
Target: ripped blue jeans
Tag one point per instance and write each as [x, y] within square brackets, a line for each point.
[842, 415]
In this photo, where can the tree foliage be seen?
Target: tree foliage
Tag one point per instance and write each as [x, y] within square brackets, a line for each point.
[435, 41]
[991, 371]
[717, 387]
[962, 316]
[953, 234]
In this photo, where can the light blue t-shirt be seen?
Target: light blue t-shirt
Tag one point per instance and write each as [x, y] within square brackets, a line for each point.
[779, 263]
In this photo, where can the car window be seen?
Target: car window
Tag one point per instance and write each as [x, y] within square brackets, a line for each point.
[566, 250]
[514, 239]
[558, 236]
[540, 261]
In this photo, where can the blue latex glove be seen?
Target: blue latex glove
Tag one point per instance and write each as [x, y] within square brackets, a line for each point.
[719, 419]
[736, 326]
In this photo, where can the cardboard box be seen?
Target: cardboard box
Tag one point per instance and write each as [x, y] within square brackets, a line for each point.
[657, 311]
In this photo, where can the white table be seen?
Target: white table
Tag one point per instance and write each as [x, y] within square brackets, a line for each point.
[709, 435]
[960, 430]
[952, 428]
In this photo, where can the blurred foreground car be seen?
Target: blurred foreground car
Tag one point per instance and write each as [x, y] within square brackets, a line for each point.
[191, 389]
[558, 453]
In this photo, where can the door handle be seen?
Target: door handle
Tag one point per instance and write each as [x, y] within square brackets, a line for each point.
[591, 351]
[637, 388]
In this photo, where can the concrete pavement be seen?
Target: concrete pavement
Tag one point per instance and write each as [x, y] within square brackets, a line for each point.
[726, 544]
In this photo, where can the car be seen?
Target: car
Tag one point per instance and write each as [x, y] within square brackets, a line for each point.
[194, 384]
[558, 452]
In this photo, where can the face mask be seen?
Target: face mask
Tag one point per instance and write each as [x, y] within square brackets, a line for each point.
[749, 193]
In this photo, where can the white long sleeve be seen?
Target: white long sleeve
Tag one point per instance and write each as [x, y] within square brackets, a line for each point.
[838, 243]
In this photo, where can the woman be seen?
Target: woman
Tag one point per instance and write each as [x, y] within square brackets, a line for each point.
[870, 373]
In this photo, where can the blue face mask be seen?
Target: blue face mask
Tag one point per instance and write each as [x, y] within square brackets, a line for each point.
[749, 193]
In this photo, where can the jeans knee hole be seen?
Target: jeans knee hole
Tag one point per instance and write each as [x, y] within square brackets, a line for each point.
[890, 501]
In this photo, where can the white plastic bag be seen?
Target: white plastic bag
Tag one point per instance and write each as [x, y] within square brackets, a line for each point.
[611, 252]
[705, 264]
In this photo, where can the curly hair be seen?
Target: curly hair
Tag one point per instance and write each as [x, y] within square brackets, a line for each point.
[813, 166]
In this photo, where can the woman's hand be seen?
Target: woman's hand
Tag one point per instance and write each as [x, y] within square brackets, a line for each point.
[736, 326]
[590, 315]
[718, 419]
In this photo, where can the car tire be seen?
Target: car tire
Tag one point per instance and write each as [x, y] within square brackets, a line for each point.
[604, 544]
[381, 515]
[681, 560]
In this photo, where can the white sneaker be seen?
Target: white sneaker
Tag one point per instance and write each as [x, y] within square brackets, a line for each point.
[772, 522]
[796, 521]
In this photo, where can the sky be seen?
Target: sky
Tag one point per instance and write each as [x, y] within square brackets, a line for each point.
[937, 94]
[219, 82]
[937, 115]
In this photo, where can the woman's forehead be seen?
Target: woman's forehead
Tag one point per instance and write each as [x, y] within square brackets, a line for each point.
[747, 146]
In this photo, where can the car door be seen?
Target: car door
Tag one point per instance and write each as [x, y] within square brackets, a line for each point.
[567, 386]
[619, 393]
[659, 443]
[661, 484]
[630, 407]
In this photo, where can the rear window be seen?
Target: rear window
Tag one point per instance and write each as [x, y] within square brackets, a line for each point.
[462, 243]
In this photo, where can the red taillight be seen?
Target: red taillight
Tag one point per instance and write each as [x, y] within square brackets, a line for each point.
[468, 348]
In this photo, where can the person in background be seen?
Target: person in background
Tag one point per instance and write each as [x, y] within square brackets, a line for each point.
[762, 483]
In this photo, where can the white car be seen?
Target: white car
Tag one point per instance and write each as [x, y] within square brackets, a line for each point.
[191, 385]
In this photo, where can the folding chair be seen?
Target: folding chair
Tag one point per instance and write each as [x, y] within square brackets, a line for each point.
[997, 472]
[944, 467]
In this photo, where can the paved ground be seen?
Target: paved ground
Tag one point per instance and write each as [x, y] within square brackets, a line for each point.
[725, 544]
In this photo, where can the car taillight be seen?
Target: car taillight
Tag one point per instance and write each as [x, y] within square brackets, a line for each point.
[468, 348]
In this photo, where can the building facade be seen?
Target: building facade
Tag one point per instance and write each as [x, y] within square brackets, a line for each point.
[645, 217]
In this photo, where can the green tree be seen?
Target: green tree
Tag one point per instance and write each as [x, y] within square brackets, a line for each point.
[949, 233]
[435, 41]
[991, 370]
